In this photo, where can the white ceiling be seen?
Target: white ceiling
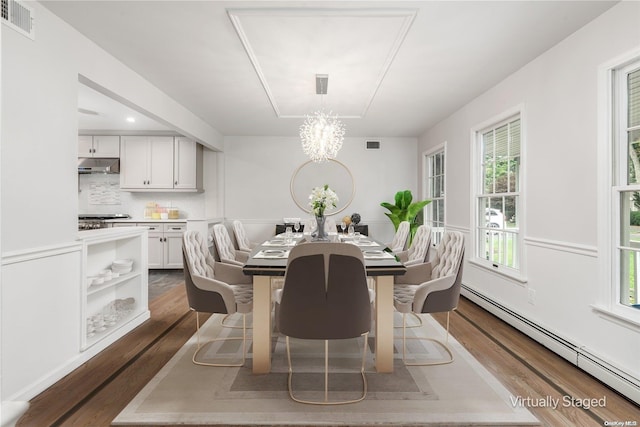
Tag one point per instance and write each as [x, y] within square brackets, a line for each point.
[395, 68]
[99, 112]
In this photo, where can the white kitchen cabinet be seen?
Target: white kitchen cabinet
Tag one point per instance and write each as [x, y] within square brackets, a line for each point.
[111, 309]
[146, 163]
[156, 245]
[165, 244]
[187, 164]
[160, 164]
[173, 245]
[99, 146]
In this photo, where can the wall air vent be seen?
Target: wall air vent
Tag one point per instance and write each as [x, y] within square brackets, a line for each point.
[18, 16]
[373, 145]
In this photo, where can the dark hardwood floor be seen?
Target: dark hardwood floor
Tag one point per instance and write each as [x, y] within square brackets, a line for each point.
[96, 392]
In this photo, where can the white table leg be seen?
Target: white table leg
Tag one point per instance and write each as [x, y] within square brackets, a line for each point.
[384, 323]
[261, 324]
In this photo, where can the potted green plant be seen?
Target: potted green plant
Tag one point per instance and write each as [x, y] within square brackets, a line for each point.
[405, 210]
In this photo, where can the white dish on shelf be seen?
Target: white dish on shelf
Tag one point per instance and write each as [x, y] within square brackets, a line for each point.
[106, 274]
[96, 280]
[122, 263]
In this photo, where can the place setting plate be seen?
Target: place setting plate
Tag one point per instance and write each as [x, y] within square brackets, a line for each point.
[366, 242]
[377, 254]
[272, 253]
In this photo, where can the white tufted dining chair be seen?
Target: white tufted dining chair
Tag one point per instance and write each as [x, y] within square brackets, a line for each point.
[224, 247]
[214, 287]
[432, 287]
[241, 237]
[418, 252]
[399, 241]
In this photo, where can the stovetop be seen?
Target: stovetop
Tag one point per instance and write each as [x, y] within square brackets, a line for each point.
[102, 216]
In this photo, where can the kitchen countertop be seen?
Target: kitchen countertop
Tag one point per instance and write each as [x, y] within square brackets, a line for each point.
[134, 220]
[102, 233]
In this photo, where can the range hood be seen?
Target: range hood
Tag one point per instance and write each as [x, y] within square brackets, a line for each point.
[98, 165]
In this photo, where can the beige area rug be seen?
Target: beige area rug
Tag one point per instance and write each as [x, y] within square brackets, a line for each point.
[460, 393]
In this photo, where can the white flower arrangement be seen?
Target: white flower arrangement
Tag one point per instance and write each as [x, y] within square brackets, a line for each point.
[321, 199]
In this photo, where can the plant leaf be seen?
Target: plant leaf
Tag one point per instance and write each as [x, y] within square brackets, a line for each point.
[413, 210]
[404, 210]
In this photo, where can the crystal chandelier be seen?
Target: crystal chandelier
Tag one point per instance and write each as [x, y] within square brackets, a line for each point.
[321, 133]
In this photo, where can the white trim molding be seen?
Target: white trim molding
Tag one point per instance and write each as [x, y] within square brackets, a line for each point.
[556, 245]
[464, 230]
[40, 252]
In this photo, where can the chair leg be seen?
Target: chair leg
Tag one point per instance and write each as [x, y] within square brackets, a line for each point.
[444, 345]
[199, 347]
[418, 318]
[226, 325]
[326, 376]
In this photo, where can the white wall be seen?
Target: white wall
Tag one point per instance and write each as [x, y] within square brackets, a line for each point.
[258, 173]
[559, 93]
[39, 189]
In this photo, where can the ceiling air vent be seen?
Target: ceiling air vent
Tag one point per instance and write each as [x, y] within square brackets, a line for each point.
[18, 16]
[373, 145]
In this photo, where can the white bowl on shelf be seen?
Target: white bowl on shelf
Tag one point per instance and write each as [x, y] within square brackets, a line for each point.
[122, 263]
[96, 280]
[122, 266]
[106, 274]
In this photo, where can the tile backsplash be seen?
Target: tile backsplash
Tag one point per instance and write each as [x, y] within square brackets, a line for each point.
[100, 193]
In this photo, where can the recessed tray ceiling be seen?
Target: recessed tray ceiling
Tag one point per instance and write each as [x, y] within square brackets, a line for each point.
[356, 65]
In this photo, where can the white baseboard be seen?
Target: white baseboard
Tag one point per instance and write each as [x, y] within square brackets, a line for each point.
[621, 381]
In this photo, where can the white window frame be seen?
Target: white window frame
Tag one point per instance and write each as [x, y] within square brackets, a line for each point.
[519, 274]
[612, 152]
[426, 193]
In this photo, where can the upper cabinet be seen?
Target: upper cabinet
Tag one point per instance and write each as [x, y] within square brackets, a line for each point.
[99, 146]
[160, 163]
[187, 164]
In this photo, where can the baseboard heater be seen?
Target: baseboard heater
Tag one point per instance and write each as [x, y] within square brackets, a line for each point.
[624, 383]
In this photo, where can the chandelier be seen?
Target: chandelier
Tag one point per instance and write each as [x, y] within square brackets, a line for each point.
[321, 133]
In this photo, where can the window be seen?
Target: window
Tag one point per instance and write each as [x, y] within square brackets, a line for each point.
[434, 185]
[627, 186]
[498, 198]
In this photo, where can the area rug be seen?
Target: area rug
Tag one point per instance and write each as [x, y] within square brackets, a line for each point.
[459, 393]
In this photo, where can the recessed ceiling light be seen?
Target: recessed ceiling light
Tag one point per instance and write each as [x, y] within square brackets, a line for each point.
[131, 119]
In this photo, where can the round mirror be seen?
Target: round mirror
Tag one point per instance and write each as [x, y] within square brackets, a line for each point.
[332, 172]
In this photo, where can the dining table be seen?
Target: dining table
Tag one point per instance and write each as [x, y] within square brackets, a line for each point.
[269, 260]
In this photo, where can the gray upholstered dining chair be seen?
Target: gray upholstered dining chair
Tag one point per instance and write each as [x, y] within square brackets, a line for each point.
[399, 242]
[432, 287]
[325, 297]
[214, 287]
[224, 247]
[244, 244]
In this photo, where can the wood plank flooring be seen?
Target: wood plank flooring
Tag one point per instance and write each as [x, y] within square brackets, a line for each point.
[95, 393]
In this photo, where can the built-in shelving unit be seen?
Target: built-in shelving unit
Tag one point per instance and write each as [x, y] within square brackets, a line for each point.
[111, 309]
